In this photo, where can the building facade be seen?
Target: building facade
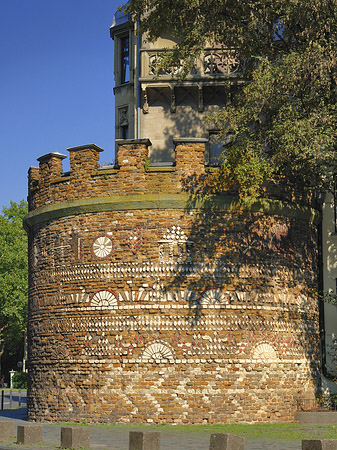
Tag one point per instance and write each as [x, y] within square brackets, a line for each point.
[161, 106]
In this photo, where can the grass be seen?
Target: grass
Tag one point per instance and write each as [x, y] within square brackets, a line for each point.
[14, 390]
[291, 431]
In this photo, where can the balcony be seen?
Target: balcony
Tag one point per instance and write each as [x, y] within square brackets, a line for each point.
[212, 64]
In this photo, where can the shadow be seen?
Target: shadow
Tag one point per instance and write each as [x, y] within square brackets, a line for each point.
[255, 271]
[19, 413]
[187, 119]
[256, 267]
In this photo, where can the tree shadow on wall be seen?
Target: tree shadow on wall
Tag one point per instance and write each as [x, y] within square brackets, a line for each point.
[236, 258]
[265, 265]
[186, 121]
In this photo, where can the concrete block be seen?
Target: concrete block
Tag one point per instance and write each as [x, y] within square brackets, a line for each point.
[75, 437]
[319, 444]
[6, 430]
[144, 440]
[29, 434]
[224, 441]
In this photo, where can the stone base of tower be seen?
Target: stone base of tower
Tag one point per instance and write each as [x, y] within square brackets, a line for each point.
[184, 393]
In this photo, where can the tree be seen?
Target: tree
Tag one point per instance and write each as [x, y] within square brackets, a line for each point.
[283, 118]
[13, 277]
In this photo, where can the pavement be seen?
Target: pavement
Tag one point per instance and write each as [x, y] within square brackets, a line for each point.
[16, 400]
[117, 438]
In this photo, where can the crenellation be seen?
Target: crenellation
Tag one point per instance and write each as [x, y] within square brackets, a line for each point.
[33, 186]
[50, 167]
[33, 176]
[133, 174]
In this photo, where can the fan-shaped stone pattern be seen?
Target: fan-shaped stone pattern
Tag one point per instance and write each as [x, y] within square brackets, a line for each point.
[213, 297]
[157, 352]
[175, 234]
[104, 298]
[102, 247]
[264, 352]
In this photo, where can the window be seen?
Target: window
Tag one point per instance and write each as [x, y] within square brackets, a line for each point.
[125, 60]
[123, 122]
[216, 148]
[124, 132]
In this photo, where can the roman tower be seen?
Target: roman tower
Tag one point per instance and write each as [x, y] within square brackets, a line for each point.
[152, 299]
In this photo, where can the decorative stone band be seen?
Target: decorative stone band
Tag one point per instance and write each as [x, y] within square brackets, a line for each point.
[166, 201]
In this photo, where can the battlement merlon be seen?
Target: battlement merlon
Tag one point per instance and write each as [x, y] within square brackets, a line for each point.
[83, 159]
[132, 154]
[190, 154]
[50, 165]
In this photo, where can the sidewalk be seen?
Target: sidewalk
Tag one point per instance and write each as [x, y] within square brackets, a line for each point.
[117, 438]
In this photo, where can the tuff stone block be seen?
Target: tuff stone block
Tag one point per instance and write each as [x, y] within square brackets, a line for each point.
[29, 434]
[319, 444]
[6, 430]
[144, 440]
[224, 441]
[75, 437]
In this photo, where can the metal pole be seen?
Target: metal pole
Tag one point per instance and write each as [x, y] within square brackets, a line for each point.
[10, 399]
[19, 398]
[2, 400]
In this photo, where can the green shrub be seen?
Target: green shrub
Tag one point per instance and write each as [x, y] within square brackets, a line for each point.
[20, 380]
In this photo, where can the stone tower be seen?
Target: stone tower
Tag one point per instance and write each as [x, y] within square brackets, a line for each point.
[151, 301]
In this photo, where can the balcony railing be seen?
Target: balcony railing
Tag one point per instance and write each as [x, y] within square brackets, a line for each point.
[213, 62]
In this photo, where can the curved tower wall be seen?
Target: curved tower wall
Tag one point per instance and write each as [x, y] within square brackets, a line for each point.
[149, 304]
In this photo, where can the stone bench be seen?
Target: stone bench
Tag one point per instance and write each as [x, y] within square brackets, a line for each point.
[319, 444]
[224, 441]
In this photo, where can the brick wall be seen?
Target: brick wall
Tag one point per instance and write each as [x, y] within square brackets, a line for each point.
[148, 305]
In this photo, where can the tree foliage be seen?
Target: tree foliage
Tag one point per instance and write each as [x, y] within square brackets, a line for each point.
[282, 118]
[13, 275]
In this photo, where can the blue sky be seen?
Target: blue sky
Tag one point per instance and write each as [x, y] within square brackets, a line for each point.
[56, 83]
